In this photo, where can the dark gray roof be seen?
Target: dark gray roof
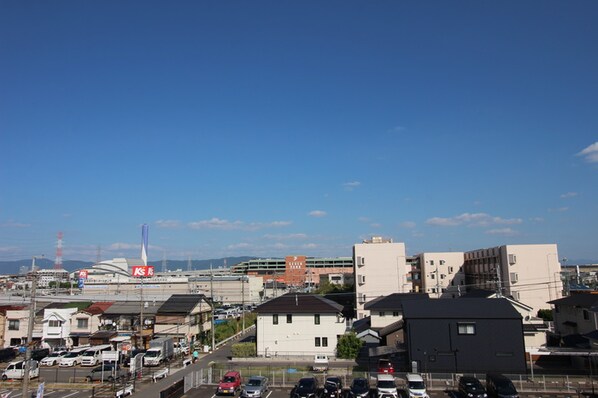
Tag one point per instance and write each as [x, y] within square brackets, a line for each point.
[393, 301]
[132, 307]
[182, 303]
[584, 300]
[474, 308]
[295, 303]
[478, 293]
[393, 327]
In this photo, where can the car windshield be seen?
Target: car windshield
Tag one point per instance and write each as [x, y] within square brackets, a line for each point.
[506, 388]
[53, 355]
[229, 379]
[254, 382]
[89, 353]
[384, 364]
[359, 383]
[151, 354]
[417, 385]
[386, 384]
[473, 385]
[71, 355]
[306, 383]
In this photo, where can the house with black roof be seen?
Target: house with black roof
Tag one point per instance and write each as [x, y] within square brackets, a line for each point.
[576, 320]
[476, 335]
[299, 324]
[184, 317]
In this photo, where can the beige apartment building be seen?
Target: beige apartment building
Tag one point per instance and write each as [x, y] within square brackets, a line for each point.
[438, 274]
[380, 269]
[528, 273]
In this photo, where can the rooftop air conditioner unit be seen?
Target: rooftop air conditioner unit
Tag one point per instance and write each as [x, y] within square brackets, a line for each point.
[512, 259]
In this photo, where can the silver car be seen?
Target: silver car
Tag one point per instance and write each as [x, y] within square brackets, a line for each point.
[255, 387]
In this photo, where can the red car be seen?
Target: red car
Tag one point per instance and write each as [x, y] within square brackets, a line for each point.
[385, 366]
[230, 383]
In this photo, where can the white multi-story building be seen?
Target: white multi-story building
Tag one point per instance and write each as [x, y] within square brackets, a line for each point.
[15, 328]
[439, 274]
[380, 269]
[299, 325]
[528, 273]
[56, 327]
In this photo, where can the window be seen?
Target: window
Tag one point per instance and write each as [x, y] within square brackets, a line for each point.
[82, 323]
[324, 341]
[13, 324]
[289, 318]
[450, 270]
[316, 319]
[54, 323]
[431, 262]
[318, 344]
[395, 313]
[432, 276]
[275, 319]
[382, 313]
[586, 315]
[466, 328]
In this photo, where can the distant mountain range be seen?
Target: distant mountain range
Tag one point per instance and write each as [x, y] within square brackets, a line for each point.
[14, 267]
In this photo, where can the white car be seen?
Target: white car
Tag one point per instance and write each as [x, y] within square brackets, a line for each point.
[416, 388]
[70, 359]
[53, 358]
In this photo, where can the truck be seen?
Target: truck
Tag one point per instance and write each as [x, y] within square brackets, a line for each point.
[320, 363]
[161, 350]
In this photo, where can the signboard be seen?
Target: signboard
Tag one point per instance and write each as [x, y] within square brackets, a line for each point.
[141, 271]
[295, 270]
[40, 391]
[83, 274]
[81, 283]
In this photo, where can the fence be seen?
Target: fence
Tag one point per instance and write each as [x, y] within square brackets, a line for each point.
[288, 377]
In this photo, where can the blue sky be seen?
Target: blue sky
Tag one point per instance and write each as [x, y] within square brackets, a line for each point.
[271, 128]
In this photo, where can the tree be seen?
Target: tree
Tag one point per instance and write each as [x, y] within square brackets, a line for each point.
[545, 314]
[348, 346]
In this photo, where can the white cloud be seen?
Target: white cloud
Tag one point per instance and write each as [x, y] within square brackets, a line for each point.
[364, 219]
[502, 232]
[569, 195]
[349, 186]
[14, 224]
[168, 223]
[285, 236]
[242, 245]
[537, 219]
[590, 153]
[472, 220]
[375, 225]
[559, 209]
[408, 224]
[309, 246]
[124, 246]
[317, 213]
[217, 223]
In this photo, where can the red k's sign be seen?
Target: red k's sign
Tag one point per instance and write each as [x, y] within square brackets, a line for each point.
[140, 271]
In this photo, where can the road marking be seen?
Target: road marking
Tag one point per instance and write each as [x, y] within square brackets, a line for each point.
[71, 394]
[269, 393]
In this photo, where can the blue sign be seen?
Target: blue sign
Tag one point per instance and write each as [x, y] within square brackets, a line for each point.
[81, 283]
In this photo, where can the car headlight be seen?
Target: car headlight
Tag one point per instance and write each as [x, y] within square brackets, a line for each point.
[469, 394]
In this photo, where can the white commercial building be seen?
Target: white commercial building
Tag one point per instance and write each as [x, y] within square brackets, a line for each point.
[380, 269]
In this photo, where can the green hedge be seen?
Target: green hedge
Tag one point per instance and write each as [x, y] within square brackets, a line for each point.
[244, 350]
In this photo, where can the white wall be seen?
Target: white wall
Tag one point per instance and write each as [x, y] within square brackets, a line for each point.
[297, 338]
[380, 270]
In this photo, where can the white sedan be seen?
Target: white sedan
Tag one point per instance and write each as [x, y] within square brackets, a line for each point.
[53, 358]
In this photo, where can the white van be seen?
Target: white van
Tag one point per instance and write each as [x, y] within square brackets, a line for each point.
[416, 386]
[16, 370]
[93, 355]
[73, 357]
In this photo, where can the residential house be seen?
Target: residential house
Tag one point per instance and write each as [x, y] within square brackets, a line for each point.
[124, 317]
[460, 336]
[385, 310]
[3, 325]
[56, 326]
[85, 322]
[576, 320]
[534, 329]
[185, 317]
[297, 324]
[15, 329]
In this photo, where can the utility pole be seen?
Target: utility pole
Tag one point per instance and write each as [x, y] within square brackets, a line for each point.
[141, 317]
[243, 300]
[30, 330]
[212, 297]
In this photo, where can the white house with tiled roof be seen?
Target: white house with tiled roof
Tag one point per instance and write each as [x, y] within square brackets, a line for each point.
[299, 325]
